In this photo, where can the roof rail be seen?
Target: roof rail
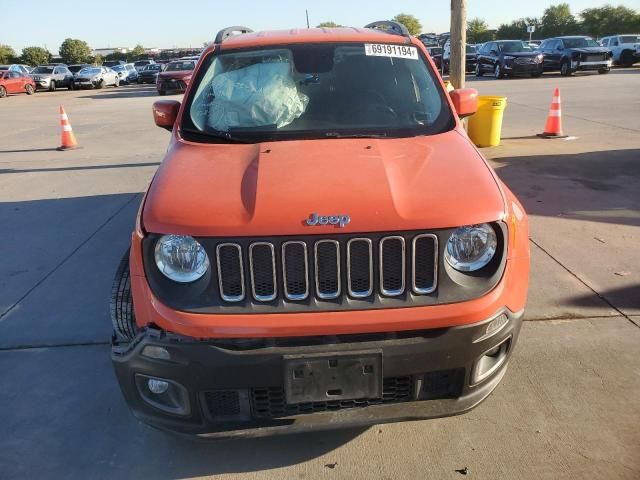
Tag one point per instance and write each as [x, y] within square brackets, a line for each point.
[394, 28]
[229, 31]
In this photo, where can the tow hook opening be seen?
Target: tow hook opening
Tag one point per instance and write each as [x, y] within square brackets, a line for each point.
[490, 361]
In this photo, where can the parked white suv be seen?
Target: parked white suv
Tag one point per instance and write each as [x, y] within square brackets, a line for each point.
[625, 48]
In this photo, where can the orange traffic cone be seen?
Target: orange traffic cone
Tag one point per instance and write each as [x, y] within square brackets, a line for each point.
[553, 128]
[68, 138]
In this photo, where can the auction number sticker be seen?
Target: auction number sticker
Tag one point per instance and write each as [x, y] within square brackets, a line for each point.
[399, 51]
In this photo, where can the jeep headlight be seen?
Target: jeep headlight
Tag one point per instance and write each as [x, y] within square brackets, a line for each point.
[181, 258]
[508, 58]
[471, 247]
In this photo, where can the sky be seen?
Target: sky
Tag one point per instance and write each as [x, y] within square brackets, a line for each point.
[189, 23]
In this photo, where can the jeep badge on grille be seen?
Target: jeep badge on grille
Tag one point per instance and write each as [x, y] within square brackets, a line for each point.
[338, 220]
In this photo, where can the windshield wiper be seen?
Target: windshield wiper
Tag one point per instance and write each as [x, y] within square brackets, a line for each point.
[217, 134]
[355, 135]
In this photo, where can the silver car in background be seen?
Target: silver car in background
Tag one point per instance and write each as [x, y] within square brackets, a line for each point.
[128, 73]
[96, 77]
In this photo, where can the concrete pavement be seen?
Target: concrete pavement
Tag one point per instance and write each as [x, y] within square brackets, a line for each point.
[567, 407]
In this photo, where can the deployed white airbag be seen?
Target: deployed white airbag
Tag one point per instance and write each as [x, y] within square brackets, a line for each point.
[259, 95]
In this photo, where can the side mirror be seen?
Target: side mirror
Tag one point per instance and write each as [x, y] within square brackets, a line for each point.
[465, 101]
[559, 47]
[165, 113]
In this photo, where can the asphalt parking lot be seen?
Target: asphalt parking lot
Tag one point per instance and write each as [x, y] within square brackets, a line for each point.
[567, 409]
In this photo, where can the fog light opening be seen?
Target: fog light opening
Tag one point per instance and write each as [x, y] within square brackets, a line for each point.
[490, 361]
[166, 395]
[157, 387]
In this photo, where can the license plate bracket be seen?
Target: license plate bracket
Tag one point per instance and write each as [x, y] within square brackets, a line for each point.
[337, 376]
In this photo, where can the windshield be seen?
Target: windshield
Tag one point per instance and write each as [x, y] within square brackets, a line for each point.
[471, 49]
[76, 68]
[579, 42]
[151, 67]
[119, 68]
[90, 71]
[317, 91]
[630, 39]
[43, 70]
[180, 66]
[515, 47]
[141, 63]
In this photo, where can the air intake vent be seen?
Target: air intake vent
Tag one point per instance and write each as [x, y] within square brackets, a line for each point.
[327, 256]
[230, 273]
[262, 265]
[392, 266]
[295, 270]
[360, 267]
[425, 264]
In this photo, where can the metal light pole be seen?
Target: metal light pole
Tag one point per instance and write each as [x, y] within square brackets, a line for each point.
[457, 43]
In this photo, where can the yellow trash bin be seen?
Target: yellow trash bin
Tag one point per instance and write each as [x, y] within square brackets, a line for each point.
[485, 125]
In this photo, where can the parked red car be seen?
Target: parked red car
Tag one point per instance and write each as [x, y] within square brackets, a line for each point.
[14, 82]
[175, 77]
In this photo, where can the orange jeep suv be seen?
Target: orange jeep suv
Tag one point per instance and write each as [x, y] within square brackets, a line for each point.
[321, 246]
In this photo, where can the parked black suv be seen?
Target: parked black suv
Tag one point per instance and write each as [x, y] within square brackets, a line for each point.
[508, 57]
[570, 54]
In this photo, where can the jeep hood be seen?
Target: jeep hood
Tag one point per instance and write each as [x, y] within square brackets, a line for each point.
[271, 188]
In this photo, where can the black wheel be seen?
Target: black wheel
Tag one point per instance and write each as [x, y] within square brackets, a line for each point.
[603, 70]
[478, 70]
[70, 86]
[29, 89]
[565, 68]
[123, 317]
[100, 84]
[626, 58]
[162, 91]
[52, 86]
[3, 92]
[498, 71]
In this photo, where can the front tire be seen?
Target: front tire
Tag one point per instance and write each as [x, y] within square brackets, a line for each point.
[117, 83]
[3, 92]
[497, 72]
[52, 86]
[123, 316]
[565, 68]
[603, 70]
[29, 89]
[626, 59]
[478, 70]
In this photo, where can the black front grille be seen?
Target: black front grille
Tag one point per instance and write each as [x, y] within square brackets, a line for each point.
[328, 269]
[270, 402]
[223, 403]
[593, 57]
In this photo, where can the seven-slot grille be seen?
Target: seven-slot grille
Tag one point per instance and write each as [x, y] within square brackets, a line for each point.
[327, 268]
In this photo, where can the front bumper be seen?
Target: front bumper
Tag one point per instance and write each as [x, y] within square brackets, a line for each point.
[577, 65]
[236, 388]
[522, 68]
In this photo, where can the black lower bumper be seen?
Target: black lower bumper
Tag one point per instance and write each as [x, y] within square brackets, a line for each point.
[237, 388]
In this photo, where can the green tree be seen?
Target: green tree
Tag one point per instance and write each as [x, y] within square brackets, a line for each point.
[74, 50]
[478, 31]
[116, 56]
[517, 29]
[136, 53]
[35, 56]
[328, 25]
[412, 23]
[98, 59]
[609, 20]
[558, 20]
[7, 54]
